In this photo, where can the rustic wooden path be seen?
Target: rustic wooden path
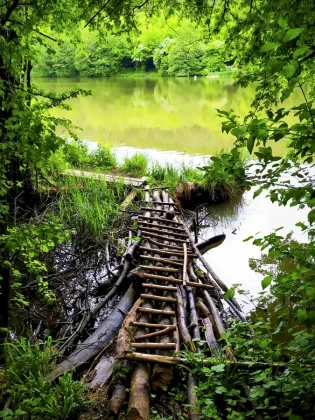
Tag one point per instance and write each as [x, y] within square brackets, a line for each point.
[127, 180]
[168, 314]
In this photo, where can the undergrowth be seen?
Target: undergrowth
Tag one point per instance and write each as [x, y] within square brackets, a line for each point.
[220, 180]
[90, 205]
[30, 395]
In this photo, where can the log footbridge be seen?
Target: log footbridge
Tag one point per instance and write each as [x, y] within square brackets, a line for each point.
[178, 304]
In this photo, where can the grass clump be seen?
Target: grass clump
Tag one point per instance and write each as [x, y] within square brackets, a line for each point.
[32, 396]
[103, 158]
[166, 175]
[137, 165]
[90, 205]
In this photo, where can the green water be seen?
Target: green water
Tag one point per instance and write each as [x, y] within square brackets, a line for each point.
[166, 114]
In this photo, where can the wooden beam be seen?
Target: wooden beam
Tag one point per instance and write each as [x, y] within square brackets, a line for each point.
[162, 260]
[155, 311]
[161, 346]
[147, 325]
[164, 238]
[158, 298]
[157, 333]
[175, 234]
[144, 224]
[160, 219]
[161, 251]
[172, 280]
[159, 287]
[155, 268]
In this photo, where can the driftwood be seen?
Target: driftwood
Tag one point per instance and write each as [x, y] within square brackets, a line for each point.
[103, 371]
[210, 243]
[106, 331]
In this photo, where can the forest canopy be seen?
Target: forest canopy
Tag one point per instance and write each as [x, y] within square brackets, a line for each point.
[171, 47]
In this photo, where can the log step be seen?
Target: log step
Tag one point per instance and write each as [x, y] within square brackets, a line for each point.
[172, 280]
[161, 251]
[158, 298]
[153, 358]
[158, 225]
[162, 260]
[164, 238]
[154, 268]
[165, 232]
[162, 346]
[156, 311]
[159, 287]
[155, 210]
[160, 219]
[149, 325]
[164, 331]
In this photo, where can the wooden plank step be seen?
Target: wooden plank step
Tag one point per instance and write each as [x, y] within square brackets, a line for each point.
[164, 331]
[160, 219]
[156, 311]
[170, 247]
[144, 224]
[159, 287]
[162, 251]
[162, 260]
[172, 280]
[162, 237]
[153, 358]
[161, 346]
[154, 268]
[175, 234]
[162, 203]
[158, 298]
[155, 210]
[148, 325]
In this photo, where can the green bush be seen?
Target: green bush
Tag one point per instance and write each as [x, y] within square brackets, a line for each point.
[103, 158]
[136, 165]
[32, 396]
[77, 154]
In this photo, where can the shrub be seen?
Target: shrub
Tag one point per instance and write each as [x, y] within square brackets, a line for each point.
[103, 158]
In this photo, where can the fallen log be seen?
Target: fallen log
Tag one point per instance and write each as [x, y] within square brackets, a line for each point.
[210, 243]
[139, 403]
[210, 338]
[106, 331]
[192, 398]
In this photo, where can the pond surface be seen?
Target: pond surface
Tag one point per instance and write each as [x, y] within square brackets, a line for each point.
[167, 114]
[175, 120]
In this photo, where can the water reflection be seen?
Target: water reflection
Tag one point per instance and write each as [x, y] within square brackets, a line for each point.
[167, 114]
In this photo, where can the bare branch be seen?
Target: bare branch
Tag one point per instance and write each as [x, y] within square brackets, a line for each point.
[97, 13]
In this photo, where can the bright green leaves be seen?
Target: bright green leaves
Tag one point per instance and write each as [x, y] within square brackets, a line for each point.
[229, 294]
[292, 34]
[269, 46]
[266, 282]
[311, 216]
[289, 69]
[250, 144]
[301, 314]
[300, 51]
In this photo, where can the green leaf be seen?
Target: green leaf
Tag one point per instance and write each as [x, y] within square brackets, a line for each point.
[300, 51]
[218, 368]
[250, 144]
[266, 282]
[229, 294]
[289, 69]
[292, 34]
[301, 314]
[311, 216]
[283, 23]
[270, 46]
[258, 192]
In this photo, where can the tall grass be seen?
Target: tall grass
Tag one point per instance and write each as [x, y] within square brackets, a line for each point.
[137, 165]
[32, 396]
[90, 205]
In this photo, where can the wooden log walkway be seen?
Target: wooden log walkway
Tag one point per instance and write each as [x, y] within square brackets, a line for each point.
[127, 180]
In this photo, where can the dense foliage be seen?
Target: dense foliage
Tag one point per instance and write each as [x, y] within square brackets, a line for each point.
[172, 47]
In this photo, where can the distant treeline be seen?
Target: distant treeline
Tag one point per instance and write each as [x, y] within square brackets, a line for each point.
[171, 48]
